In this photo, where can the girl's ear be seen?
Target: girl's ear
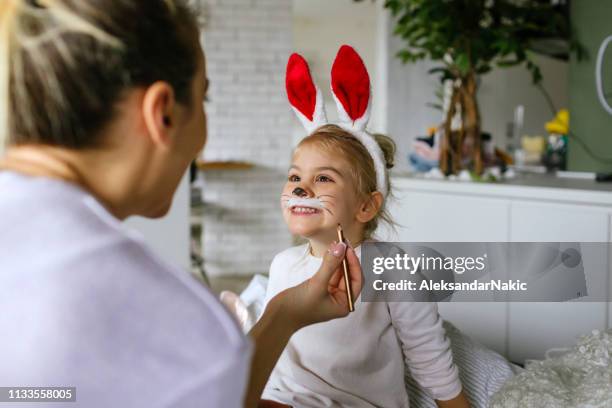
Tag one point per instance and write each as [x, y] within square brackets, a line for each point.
[370, 207]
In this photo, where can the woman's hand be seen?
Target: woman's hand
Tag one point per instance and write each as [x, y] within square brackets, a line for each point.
[320, 298]
[323, 296]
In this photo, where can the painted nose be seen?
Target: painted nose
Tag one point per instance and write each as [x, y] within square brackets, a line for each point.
[300, 192]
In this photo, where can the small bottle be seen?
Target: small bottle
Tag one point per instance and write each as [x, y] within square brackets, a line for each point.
[513, 135]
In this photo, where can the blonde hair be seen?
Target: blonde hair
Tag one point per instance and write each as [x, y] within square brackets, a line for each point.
[65, 63]
[333, 138]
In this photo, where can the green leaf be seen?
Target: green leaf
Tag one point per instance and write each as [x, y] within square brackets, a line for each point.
[483, 69]
[406, 56]
[435, 106]
[462, 62]
[507, 63]
[536, 74]
[437, 69]
[478, 34]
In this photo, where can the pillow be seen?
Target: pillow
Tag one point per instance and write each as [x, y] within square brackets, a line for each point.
[482, 371]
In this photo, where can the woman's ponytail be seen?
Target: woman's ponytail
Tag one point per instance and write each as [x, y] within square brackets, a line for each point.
[8, 14]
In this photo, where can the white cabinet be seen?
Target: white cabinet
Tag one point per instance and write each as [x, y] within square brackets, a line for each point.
[536, 327]
[427, 216]
[482, 212]
[557, 222]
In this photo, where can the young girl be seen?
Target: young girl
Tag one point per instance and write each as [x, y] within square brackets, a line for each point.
[339, 176]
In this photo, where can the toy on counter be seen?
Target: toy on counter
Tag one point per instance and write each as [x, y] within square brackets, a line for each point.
[531, 151]
[555, 155]
[425, 153]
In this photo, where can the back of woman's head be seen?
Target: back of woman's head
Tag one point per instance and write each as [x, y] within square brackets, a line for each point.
[65, 64]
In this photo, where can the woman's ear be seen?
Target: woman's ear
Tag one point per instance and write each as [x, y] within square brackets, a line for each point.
[159, 113]
[370, 207]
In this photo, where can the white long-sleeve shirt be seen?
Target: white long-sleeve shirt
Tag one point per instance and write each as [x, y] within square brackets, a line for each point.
[86, 304]
[359, 361]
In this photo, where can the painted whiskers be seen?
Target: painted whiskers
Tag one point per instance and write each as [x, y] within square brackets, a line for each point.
[318, 202]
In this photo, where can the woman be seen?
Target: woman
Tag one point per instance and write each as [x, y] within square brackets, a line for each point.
[101, 116]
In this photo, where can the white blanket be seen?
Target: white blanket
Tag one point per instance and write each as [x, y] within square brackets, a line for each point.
[581, 377]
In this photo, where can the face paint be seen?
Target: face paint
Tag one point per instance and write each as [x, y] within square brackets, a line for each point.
[300, 192]
[304, 202]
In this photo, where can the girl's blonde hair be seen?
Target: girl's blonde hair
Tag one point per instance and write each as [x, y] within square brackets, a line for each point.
[64, 64]
[332, 138]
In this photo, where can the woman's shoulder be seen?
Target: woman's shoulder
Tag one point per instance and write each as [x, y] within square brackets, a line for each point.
[104, 271]
[169, 292]
[112, 294]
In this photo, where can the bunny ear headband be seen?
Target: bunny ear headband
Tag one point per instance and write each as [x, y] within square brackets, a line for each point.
[350, 84]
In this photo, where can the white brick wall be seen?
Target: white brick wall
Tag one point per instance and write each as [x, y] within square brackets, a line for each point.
[247, 43]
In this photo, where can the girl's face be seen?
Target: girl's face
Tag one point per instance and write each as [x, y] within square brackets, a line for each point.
[319, 194]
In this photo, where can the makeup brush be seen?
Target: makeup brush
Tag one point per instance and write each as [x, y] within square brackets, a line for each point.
[347, 280]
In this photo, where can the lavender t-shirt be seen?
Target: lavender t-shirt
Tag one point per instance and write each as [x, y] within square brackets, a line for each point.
[85, 304]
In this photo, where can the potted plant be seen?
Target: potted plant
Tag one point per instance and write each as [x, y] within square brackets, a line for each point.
[470, 37]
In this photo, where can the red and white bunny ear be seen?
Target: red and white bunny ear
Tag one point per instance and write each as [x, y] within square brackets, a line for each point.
[350, 85]
[304, 96]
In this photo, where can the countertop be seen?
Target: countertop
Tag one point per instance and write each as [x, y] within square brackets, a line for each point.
[524, 185]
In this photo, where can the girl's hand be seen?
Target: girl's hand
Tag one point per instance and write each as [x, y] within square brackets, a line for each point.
[323, 297]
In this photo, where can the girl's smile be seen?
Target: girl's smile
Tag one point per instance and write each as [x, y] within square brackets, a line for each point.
[301, 211]
[304, 206]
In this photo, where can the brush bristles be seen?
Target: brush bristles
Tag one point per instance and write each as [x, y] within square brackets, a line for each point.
[340, 235]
